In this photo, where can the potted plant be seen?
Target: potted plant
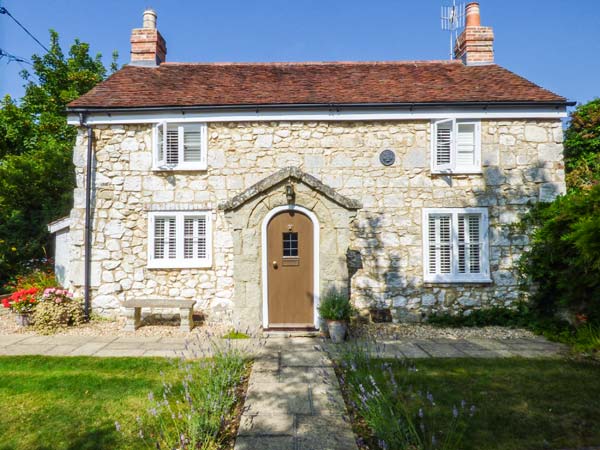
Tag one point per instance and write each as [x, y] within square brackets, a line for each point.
[22, 304]
[335, 308]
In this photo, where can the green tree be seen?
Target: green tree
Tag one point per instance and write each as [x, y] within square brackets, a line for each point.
[564, 257]
[36, 145]
[582, 146]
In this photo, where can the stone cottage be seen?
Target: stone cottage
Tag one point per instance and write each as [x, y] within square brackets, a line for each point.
[254, 188]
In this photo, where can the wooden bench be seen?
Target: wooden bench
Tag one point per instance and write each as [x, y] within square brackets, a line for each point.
[133, 311]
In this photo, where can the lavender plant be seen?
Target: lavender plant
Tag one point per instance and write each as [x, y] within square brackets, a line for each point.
[195, 412]
[397, 415]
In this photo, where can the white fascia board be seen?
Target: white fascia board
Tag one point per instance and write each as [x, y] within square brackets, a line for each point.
[367, 114]
[59, 225]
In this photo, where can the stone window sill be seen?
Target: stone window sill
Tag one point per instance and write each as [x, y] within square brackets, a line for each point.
[482, 281]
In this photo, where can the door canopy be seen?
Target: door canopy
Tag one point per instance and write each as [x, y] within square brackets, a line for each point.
[282, 176]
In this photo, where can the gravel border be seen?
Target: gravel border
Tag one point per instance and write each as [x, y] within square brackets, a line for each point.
[153, 326]
[107, 327]
[393, 331]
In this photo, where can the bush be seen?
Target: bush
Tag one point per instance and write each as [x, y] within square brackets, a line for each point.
[397, 415]
[335, 306]
[518, 317]
[563, 262]
[57, 309]
[40, 277]
[196, 412]
[22, 301]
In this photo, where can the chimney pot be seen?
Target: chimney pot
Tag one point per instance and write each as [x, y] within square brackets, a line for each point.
[473, 15]
[149, 19]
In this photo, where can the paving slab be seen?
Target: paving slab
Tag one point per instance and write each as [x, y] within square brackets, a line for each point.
[88, 349]
[19, 349]
[278, 399]
[161, 353]
[307, 358]
[327, 401]
[411, 351]
[35, 340]
[310, 375]
[324, 433]
[114, 353]
[265, 443]
[10, 339]
[137, 339]
[60, 350]
[489, 344]
[441, 350]
[266, 425]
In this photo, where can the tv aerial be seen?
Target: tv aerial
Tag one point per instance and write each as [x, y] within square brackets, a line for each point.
[453, 19]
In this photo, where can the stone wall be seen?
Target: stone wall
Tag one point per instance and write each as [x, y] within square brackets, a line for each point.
[522, 163]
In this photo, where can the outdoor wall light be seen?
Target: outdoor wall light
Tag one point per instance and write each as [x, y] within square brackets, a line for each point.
[289, 193]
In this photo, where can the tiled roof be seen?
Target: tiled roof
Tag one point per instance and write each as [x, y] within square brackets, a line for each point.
[231, 84]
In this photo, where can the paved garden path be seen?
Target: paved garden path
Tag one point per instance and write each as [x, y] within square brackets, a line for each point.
[294, 400]
[21, 344]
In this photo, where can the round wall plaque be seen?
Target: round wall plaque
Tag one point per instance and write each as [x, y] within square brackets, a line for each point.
[387, 157]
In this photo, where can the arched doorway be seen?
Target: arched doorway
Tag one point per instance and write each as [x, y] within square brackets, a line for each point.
[290, 268]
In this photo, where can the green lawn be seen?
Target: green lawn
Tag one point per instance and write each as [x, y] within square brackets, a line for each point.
[73, 403]
[521, 403]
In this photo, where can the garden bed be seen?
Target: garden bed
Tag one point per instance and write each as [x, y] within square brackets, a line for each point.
[151, 326]
[518, 403]
[95, 403]
[393, 331]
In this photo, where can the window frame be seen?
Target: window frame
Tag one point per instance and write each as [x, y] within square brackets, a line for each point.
[453, 168]
[159, 148]
[179, 262]
[455, 276]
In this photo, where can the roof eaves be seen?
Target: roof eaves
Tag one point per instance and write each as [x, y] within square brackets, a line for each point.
[520, 103]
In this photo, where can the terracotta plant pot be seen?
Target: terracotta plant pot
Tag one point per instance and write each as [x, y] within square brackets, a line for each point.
[337, 330]
[23, 320]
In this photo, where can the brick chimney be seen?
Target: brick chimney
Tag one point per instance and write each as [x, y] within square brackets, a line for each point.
[148, 47]
[475, 45]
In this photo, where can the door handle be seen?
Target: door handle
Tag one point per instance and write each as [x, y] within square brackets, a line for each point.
[275, 264]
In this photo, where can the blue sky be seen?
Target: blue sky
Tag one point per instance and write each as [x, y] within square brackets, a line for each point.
[554, 43]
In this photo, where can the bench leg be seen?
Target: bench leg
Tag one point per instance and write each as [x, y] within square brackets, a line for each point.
[187, 319]
[134, 318]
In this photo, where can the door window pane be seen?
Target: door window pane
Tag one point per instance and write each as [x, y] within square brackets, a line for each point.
[290, 244]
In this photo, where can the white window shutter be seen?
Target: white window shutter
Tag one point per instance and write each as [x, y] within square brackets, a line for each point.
[172, 145]
[192, 143]
[440, 244]
[202, 250]
[442, 150]
[172, 238]
[159, 144]
[469, 244]
[159, 238]
[465, 144]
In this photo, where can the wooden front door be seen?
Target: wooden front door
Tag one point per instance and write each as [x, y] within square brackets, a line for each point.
[290, 263]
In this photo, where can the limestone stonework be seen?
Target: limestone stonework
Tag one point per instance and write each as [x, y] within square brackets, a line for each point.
[379, 245]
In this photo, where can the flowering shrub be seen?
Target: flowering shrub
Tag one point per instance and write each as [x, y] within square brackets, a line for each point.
[196, 412]
[41, 277]
[390, 411]
[23, 301]
[57, 309]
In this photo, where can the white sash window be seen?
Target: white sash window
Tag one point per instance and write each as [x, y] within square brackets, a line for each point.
[456, 146]
[180, 146]
[179, 239]
[455, 244]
